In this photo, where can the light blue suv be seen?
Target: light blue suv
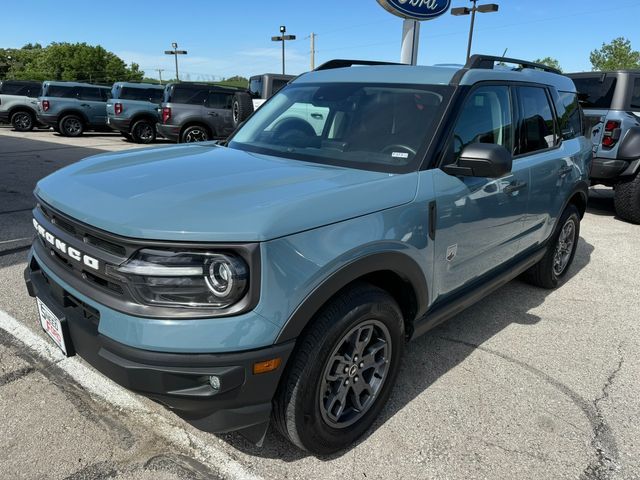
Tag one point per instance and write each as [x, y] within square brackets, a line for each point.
[132, 110]
[278, 276]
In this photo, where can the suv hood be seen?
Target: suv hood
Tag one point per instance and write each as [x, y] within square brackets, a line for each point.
[210, 193]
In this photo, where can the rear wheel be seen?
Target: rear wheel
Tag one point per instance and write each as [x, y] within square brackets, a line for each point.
[561, 250]
[195, 133]
[23, 121]
[143, 131]
[627, 200]
[71, 126]
[342, 372]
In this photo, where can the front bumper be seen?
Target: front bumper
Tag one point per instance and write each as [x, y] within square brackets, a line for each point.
[119, 124]
[179, 381]
[170, 132]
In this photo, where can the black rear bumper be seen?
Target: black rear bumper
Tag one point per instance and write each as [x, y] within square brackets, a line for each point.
[177, 380]
[119, 124]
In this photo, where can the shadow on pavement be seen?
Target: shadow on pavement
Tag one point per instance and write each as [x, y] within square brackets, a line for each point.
[424, 361]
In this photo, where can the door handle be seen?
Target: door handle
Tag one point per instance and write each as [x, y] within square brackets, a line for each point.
[85, 105]
[565, 170]
[317, 116]
[213, 114]
[514, 187]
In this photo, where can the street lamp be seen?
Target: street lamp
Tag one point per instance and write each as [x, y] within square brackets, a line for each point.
[460, 11]
[175, 52]
[283, 38]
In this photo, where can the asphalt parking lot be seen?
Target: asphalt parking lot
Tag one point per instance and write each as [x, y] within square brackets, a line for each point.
[526, 384]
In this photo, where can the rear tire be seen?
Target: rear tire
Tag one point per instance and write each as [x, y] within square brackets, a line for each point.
[627, 200]
[144, 132]
[195, 133]
[23, 121]
[342, 372]
[71, 126]
[549, 271]
[241, 108]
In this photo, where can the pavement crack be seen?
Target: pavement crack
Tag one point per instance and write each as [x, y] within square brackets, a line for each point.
[605, 465]
[15, 375]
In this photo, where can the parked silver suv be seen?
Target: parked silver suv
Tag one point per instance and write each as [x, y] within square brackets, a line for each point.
[18, 103]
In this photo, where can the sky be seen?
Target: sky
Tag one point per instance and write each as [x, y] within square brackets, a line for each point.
[225, 38]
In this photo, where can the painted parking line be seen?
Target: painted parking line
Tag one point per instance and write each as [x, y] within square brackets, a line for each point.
[120, 398]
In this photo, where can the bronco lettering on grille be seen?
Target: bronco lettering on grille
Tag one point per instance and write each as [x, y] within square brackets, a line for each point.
[65, 249]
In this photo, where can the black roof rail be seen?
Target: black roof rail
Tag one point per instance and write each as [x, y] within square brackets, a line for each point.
[341, 63]
[487, 62]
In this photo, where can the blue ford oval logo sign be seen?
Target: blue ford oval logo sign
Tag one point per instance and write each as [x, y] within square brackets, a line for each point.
[416, 9]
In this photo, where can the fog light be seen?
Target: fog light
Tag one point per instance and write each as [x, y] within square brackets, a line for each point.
[214, 382]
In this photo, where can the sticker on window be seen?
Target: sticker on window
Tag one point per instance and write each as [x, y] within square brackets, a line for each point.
[399, 155]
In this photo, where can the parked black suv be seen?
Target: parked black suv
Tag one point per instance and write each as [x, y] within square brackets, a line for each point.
[196, 112]
[611, 103]
[18, 103]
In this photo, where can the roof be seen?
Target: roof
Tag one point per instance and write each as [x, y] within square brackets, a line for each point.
[605, 72]
[73, 84]
[408, 74]
[140, 85]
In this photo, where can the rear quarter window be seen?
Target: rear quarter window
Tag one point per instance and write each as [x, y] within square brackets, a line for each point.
[635, 95]
[570, 116]
[596, 92]
[190, 96]
[142, 94]
[61, 91]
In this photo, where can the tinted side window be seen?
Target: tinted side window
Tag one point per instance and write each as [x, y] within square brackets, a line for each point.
[154, 95]
[61, 91]
[189, 95]
[597, 92]
[33, 91]
[13, 89]
[635, 95]
[570, 116]
[277, 85]
[537, 126]
[220, 100]
[91, 94]
[485, 118]
[255, 87]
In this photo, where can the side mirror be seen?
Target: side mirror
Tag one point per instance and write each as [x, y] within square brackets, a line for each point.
[482, 160]
[630, 147]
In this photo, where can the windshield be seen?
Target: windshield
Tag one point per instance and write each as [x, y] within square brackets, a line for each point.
[373, 127]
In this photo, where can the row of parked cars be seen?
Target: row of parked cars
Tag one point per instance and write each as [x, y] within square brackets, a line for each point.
[182, 112]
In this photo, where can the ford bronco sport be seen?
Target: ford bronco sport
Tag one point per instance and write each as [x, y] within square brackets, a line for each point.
[611, 103]
[278, 277]
[18, 103]
[132, 110]
[73, 108]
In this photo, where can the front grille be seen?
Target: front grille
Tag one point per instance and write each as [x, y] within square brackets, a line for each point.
[81, 232]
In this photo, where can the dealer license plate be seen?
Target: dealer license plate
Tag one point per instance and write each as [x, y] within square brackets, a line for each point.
[52, 325]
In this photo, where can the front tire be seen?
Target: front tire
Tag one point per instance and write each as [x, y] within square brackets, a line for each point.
[23, 121]
[627, 200]
[343, 371]
[71, 126]
[549, 271]
[143, 132]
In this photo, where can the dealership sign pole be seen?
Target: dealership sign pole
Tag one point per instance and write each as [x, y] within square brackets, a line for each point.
[413, 12]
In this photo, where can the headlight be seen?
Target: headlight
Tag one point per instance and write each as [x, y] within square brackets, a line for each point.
[191, 279]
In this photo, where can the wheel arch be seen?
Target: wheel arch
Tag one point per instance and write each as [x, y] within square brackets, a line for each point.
[72, 111]
[22, 108]
[579, 197]
[198, 123]
[149, 117]
[395, 272]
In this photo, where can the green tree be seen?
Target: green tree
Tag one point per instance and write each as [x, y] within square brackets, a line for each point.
[549, 62]
[615, 56]
[68, 62]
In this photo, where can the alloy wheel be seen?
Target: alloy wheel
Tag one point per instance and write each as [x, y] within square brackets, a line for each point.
[72, 126]
[355, 373]
[564, 247]
[196, 135]
[22, 121]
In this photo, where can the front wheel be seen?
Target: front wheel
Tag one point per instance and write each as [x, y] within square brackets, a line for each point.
[561, 250]
[71, 126]
[143, 132]
[343, 371]
[23, 121]
[627, 200]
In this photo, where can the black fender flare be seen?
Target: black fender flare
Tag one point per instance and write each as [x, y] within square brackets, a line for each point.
[149, 117]
[23, 108]
[395, 261]
[73, 111]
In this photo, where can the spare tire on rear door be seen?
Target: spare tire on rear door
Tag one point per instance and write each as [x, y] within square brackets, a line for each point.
[242, 108]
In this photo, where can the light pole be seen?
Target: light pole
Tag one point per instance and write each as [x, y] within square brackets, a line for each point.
[283, 38]
[175, 52]
[460, 11]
